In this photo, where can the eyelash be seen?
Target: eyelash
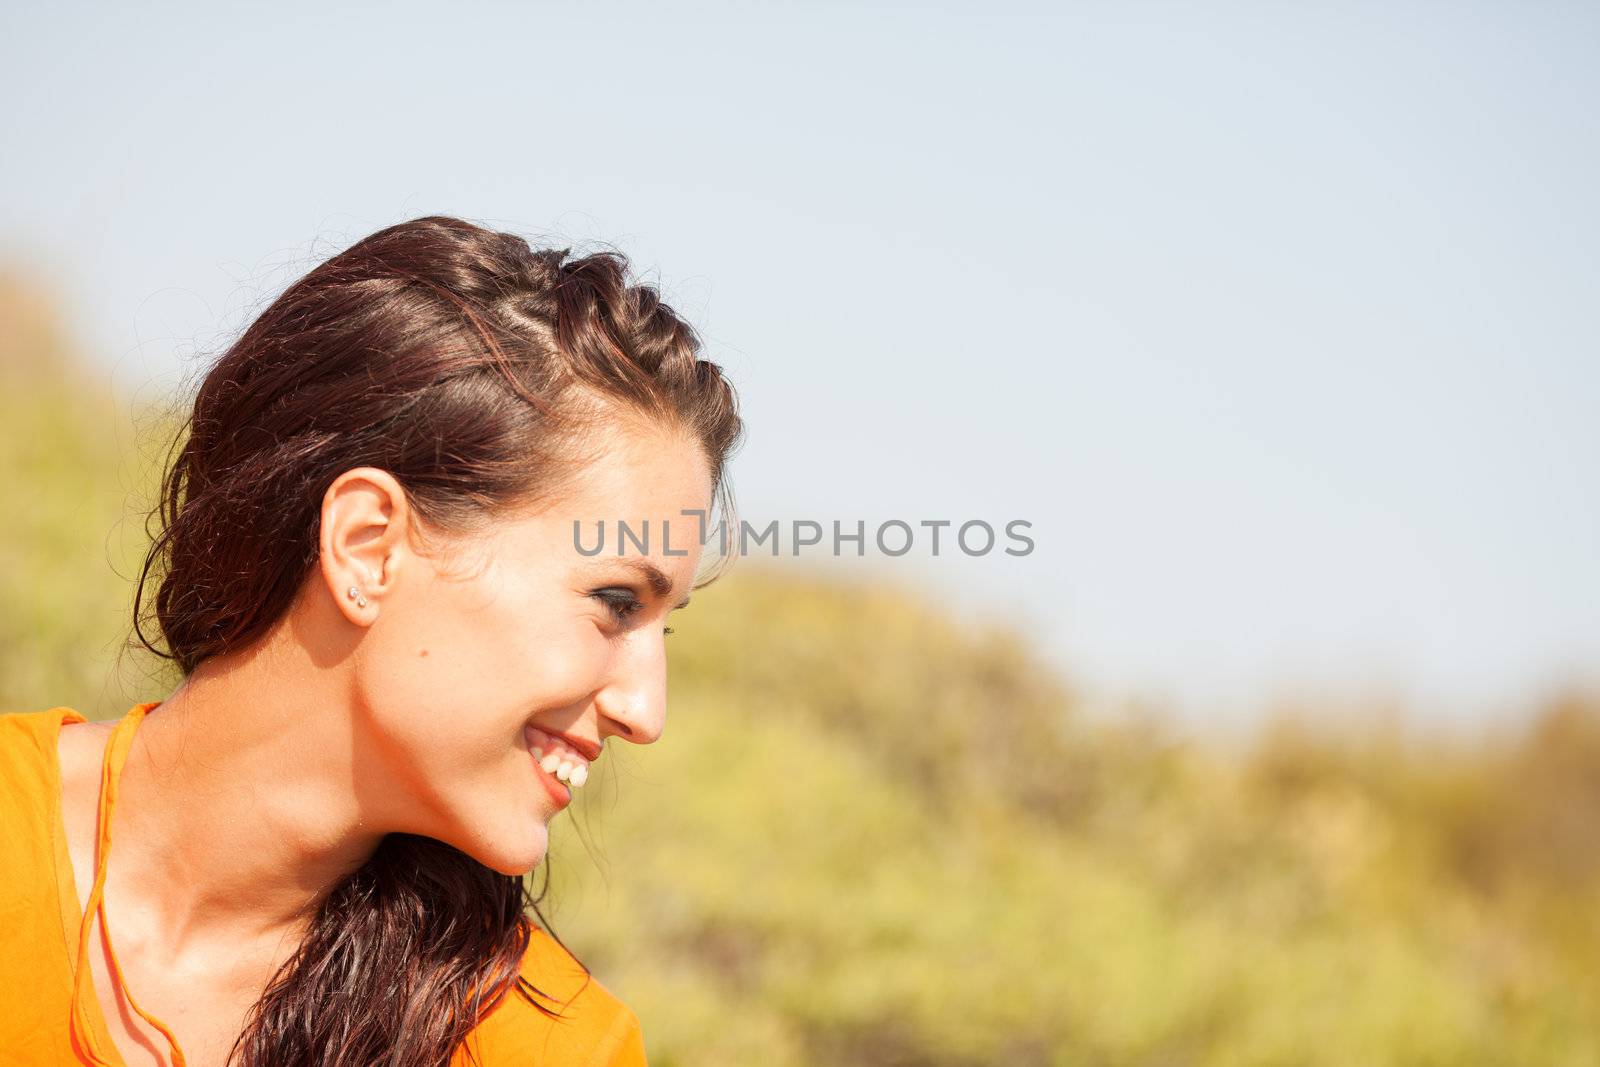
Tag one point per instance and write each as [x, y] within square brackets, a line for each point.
[623, 604]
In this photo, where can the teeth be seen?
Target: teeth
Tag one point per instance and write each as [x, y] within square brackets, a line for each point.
[573, 772]
[562, 764]
[567, 770]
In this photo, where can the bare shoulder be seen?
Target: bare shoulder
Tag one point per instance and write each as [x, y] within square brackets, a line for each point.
[81, 744]
[79, 748]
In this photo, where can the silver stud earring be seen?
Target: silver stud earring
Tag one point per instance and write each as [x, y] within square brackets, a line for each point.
[355, 594]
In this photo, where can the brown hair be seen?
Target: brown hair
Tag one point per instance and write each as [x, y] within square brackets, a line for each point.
[467, 364]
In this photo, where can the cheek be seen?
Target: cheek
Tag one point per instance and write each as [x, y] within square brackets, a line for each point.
[450, 687]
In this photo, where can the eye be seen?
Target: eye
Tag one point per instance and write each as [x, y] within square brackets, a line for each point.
[622, 602]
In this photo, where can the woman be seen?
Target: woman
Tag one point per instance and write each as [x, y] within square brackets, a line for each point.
[397, 665]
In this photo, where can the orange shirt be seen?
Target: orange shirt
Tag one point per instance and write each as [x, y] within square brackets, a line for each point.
[49, 1013]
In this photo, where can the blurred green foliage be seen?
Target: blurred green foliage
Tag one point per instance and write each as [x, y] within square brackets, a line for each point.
[869, 836]
[76, 468]
[874, 834]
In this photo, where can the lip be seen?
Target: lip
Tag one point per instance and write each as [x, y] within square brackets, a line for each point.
[589, 750]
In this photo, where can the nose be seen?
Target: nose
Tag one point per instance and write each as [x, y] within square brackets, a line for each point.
[633, 702]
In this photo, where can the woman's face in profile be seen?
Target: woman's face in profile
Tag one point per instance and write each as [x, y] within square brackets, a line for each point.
[476, 662]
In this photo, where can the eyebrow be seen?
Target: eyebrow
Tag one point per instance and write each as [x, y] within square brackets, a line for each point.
[659, 583]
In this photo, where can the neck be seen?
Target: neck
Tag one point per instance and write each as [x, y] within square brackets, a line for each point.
[242, 803]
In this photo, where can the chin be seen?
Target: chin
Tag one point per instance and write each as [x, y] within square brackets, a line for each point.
[497, 824]
[514, 854]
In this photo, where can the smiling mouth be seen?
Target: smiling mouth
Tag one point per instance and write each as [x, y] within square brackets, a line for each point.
[557, 758]
[558, 792]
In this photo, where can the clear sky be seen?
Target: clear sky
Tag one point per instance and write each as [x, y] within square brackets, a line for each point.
[1278, 321]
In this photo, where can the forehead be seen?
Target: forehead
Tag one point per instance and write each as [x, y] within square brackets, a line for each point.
[635, 471]
[648, 478]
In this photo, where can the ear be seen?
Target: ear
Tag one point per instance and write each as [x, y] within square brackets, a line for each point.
[363, 538]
